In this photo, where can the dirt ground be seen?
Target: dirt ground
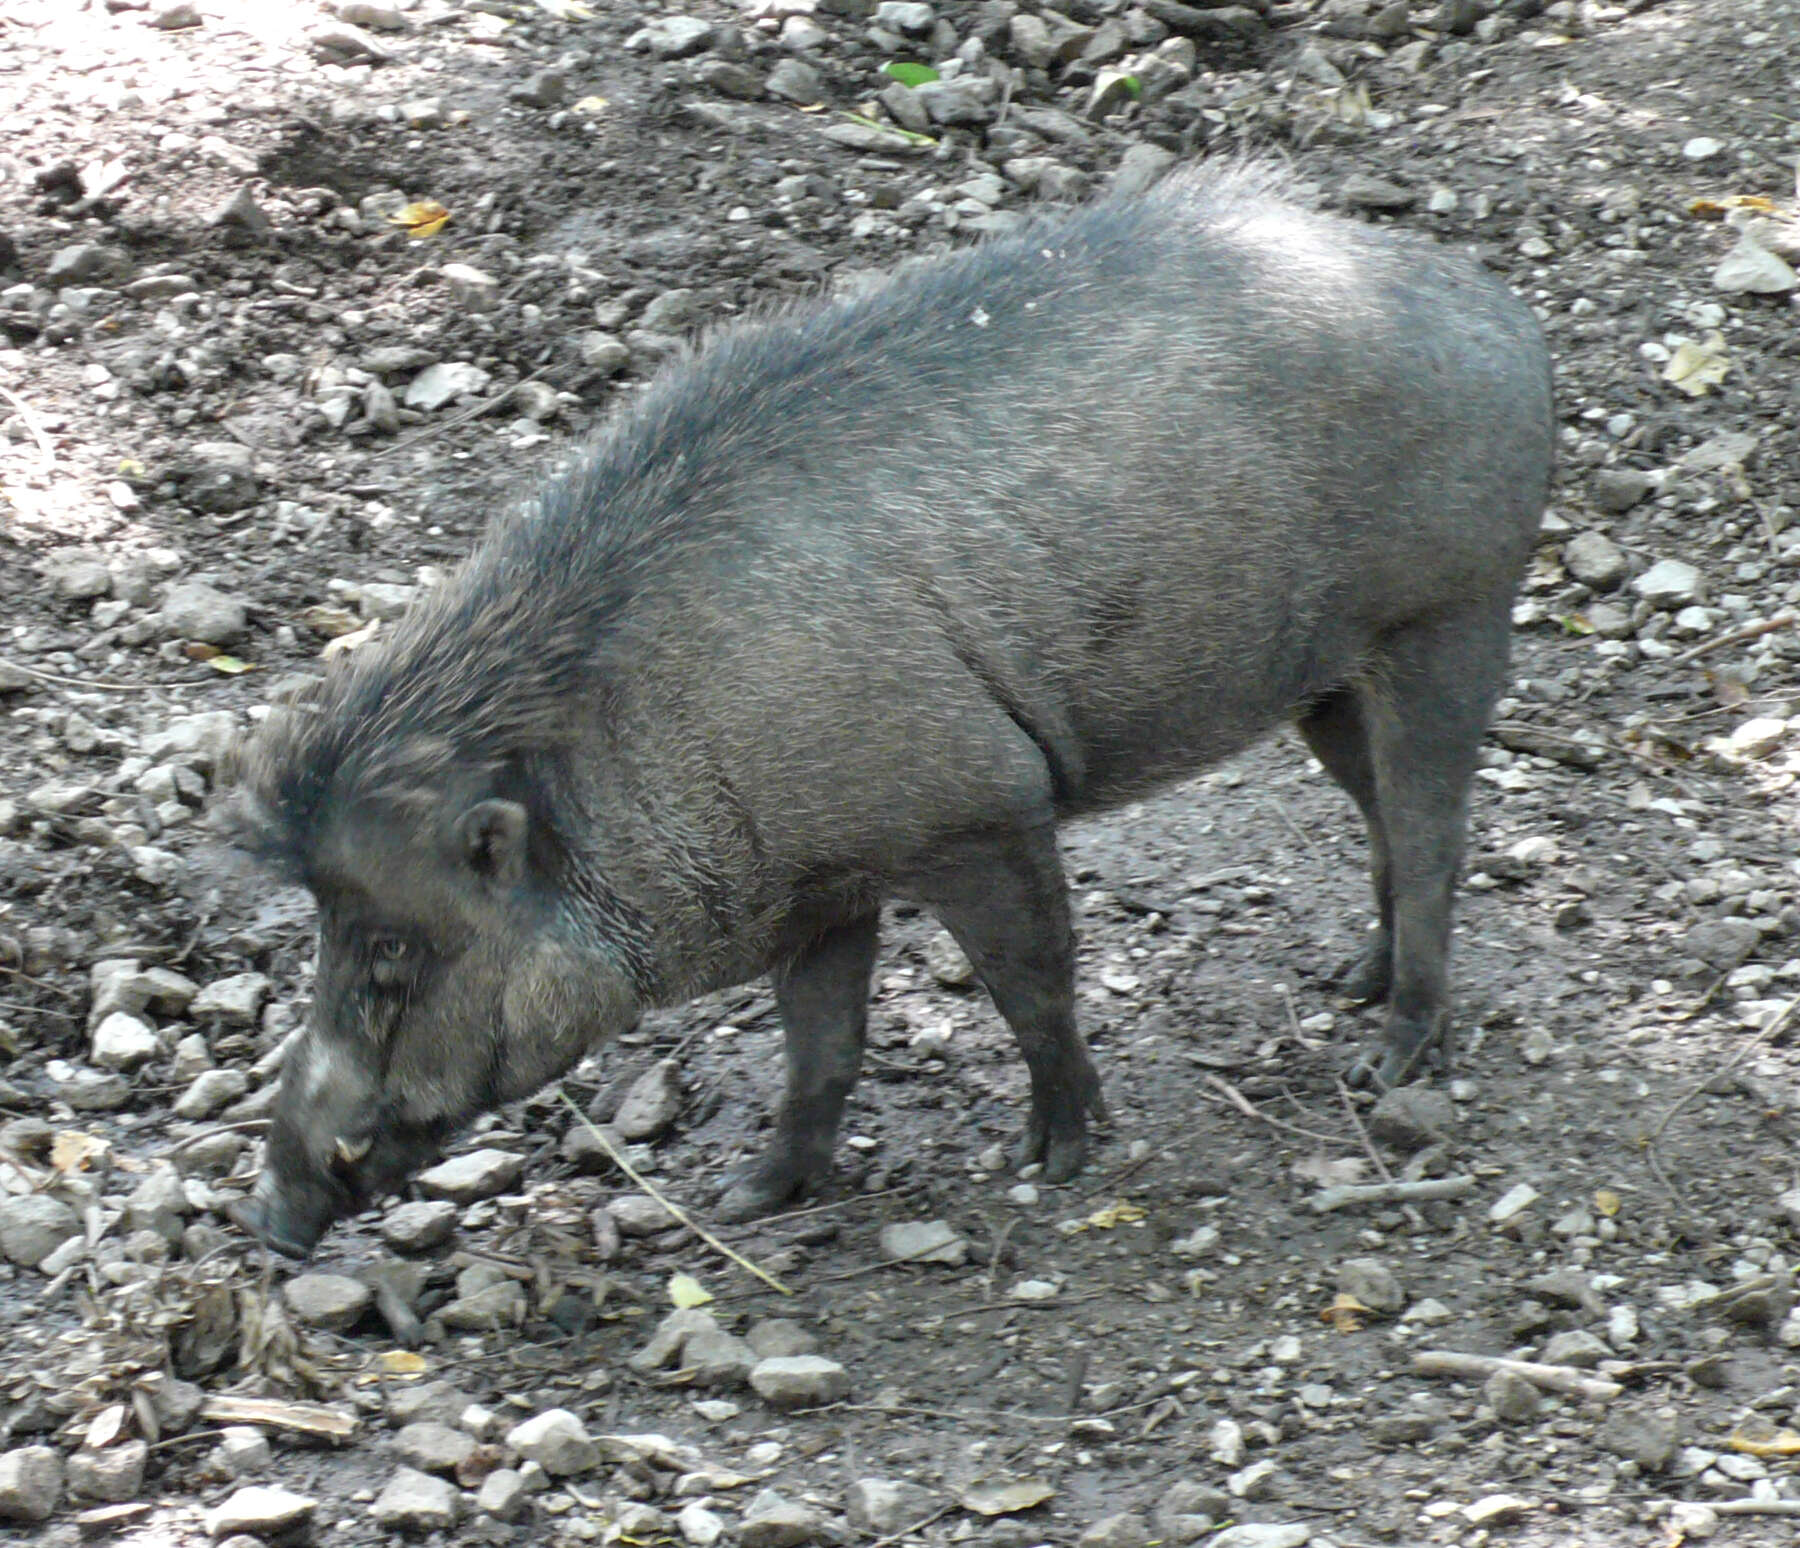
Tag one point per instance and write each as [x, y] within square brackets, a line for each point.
[252, 399]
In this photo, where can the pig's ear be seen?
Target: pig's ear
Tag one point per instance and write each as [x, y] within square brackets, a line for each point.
[491, 838]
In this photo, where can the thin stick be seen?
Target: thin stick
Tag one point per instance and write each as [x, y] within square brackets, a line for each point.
[1245, 1106]
[669, 1204]
[1551, 1378]
[1781, 620]
[922, 1522]
[33, 424]
[1776, 1022]
[79, 682]
[1362, 1133]
[1328, 1199]
[1755, 1507]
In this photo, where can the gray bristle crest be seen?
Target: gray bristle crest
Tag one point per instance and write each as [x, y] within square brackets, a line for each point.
[478, 679]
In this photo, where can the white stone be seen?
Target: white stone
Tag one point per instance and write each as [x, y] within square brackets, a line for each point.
[557, 1441]
[122, 1042]
[1669, 583]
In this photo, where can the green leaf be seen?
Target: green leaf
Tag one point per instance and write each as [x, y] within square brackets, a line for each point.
[909, 74]
[1133, 85]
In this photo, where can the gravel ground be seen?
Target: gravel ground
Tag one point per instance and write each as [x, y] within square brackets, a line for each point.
[294, 297]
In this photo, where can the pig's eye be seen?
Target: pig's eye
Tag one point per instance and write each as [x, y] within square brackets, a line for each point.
[396, 959]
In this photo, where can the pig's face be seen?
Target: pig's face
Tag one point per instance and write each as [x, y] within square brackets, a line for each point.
[452, 977]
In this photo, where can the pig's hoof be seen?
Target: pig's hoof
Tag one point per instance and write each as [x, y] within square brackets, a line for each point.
[1365, 977]
[760, 1189]
[1061, 1154]
[1409, 1054]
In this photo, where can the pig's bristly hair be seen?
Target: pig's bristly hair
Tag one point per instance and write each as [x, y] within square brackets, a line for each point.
[485, 672]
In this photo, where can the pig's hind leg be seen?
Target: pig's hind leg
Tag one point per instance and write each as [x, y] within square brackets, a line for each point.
[1425, 705]
[1334, 729]
[822, 995]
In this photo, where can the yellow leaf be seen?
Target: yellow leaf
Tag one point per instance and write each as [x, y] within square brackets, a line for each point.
[423, 219]
[1608, 1202]
[1784, 1443]
[1698, 368]
[592, 105]
[230, 665]
[1002, 1499]
[401, 1362]
[1717, 209]
[130, 467]
[1119, 1212]
[1346, 1314]
[73, 1151]
[685, 1291]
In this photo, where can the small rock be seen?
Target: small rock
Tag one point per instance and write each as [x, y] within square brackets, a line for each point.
[86, 263]
[1670, 583]
[1751, 269]
[1646, 1438]
[416, 1502]
[1140, 169]
[330, 1301]
[1691, 1521]
[1722, 452]
[1124, 1530]
[799, 1381]
[211, 1092]
[674, 37]
[637, 1214]
[883, 1507]
[1576, 1347]
[774, 1337]
[1595, 560]
[603, 353]
[122, 1042]
[774, 1522]
[541, 89]
[1513, 1399]
[502, 1494]
[948, 963]
[793, 80]
[218, 477]
[1722, 944]
[34, 1225]
[200, 740]
[478, 1174]
[501, 1305]
[651, 1104]
[196, 611]
[1413, 1117]
[1515, 1201]
[260, 1510]
[1373, 1283]
[437, 384]
[557, 1441]
[419, 1225]
[31, 1480]
[1362, 192]
[923, 1241]
[244, 1450]
[908, 17]
[700, 1527]
[114, 1473]
[77, 574]
[432, 1447]
[1263, 1534]
[1616, 490]
[437, 1400]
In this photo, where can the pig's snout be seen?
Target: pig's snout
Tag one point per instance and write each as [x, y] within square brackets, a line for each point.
[285, 1220]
